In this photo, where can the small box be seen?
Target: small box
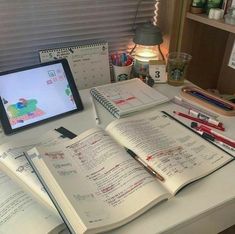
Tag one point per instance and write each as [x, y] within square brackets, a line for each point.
[157, 70]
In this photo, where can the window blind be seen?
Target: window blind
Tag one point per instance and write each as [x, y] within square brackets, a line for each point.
[29, 25]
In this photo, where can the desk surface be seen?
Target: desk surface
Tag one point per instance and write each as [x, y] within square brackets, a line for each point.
[205, 206]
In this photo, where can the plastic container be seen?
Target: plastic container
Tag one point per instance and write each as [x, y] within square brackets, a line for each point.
[177, 64]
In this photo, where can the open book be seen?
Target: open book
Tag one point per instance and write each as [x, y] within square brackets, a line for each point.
[21, 213]
[24, 204]
[97, 186]
[14, 163]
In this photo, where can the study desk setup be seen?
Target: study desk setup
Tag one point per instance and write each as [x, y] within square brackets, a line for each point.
[204, 206]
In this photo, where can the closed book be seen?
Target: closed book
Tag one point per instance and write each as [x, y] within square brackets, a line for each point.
[126, 97]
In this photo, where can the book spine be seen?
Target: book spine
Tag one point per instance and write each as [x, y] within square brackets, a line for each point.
[105, 103]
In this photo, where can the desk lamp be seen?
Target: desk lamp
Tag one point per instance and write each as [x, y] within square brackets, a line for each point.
[147, 41]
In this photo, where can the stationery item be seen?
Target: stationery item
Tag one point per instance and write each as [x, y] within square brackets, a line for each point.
[208, 100]
[199, 120]
[146, 166]
[205, 117]
[14, 163]
[89, 62]
[37, 94]
[65, 133]
[97, 119]
[185, 103]
[157, 70]
[122, 65]
[177, 65]
[121, 59]
[210, 137]
[225, 145]
[126, 97]
[212, 101]
[92, 179]
[217, 136]
[21, 213]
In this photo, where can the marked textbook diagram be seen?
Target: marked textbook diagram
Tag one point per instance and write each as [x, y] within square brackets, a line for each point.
[125, 97]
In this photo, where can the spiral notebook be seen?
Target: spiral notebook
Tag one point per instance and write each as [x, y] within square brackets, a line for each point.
[89, 62]
[126, 97]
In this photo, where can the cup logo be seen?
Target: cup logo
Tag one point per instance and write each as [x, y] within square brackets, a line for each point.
[122, 77]
[176, 74]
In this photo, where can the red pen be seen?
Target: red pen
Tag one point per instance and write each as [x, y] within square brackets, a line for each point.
[219, 127]
[204, 117]
[213, 139]
[217, 136]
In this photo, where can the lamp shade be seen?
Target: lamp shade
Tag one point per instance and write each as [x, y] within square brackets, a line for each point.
[148, 34]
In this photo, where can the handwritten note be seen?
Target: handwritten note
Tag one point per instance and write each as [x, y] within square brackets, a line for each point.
[13, 159]
[170, 149]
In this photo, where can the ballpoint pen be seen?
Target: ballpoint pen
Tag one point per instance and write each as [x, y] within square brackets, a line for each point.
[97, 120]
[217, 136]
[212, 101]
[204, 117]
[186, 104]
[210, 137]
[147, 167]
[199, 120]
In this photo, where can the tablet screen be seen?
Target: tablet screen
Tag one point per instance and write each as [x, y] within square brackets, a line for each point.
[35, 94]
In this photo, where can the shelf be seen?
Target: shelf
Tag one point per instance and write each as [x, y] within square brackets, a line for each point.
[203, 18]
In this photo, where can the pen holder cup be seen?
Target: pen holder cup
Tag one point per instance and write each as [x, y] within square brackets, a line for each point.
[177, 65]
[122, 72]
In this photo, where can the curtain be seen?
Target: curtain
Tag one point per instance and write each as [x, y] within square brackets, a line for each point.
[29, 25]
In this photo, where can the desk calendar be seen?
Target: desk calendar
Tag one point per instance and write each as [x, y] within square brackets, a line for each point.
[89, 63]
[157, 70]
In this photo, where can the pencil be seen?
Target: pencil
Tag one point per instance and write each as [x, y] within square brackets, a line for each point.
[97, 119]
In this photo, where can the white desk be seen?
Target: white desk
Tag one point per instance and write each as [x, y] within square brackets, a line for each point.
[206, 206]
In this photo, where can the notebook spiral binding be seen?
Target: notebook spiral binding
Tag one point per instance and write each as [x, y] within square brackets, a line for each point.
[73, 47]
[104, 102]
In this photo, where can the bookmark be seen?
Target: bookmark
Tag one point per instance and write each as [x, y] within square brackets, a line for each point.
[65, 132]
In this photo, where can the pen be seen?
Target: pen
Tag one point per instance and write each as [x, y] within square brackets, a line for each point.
[199, 120]
[212, 138]
[147, 167]
[217, 136]
[97, 120]
[184, 103]
[204, 117]
[122, 59]
[211, 100]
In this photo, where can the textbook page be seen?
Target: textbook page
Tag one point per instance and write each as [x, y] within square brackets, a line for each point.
[175, 152]
[15, 164]
[95, 182]
[20, 213]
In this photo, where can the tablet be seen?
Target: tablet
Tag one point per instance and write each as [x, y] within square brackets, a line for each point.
[37, 94]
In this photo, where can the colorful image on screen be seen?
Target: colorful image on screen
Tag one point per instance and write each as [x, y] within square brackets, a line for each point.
[36, 94]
